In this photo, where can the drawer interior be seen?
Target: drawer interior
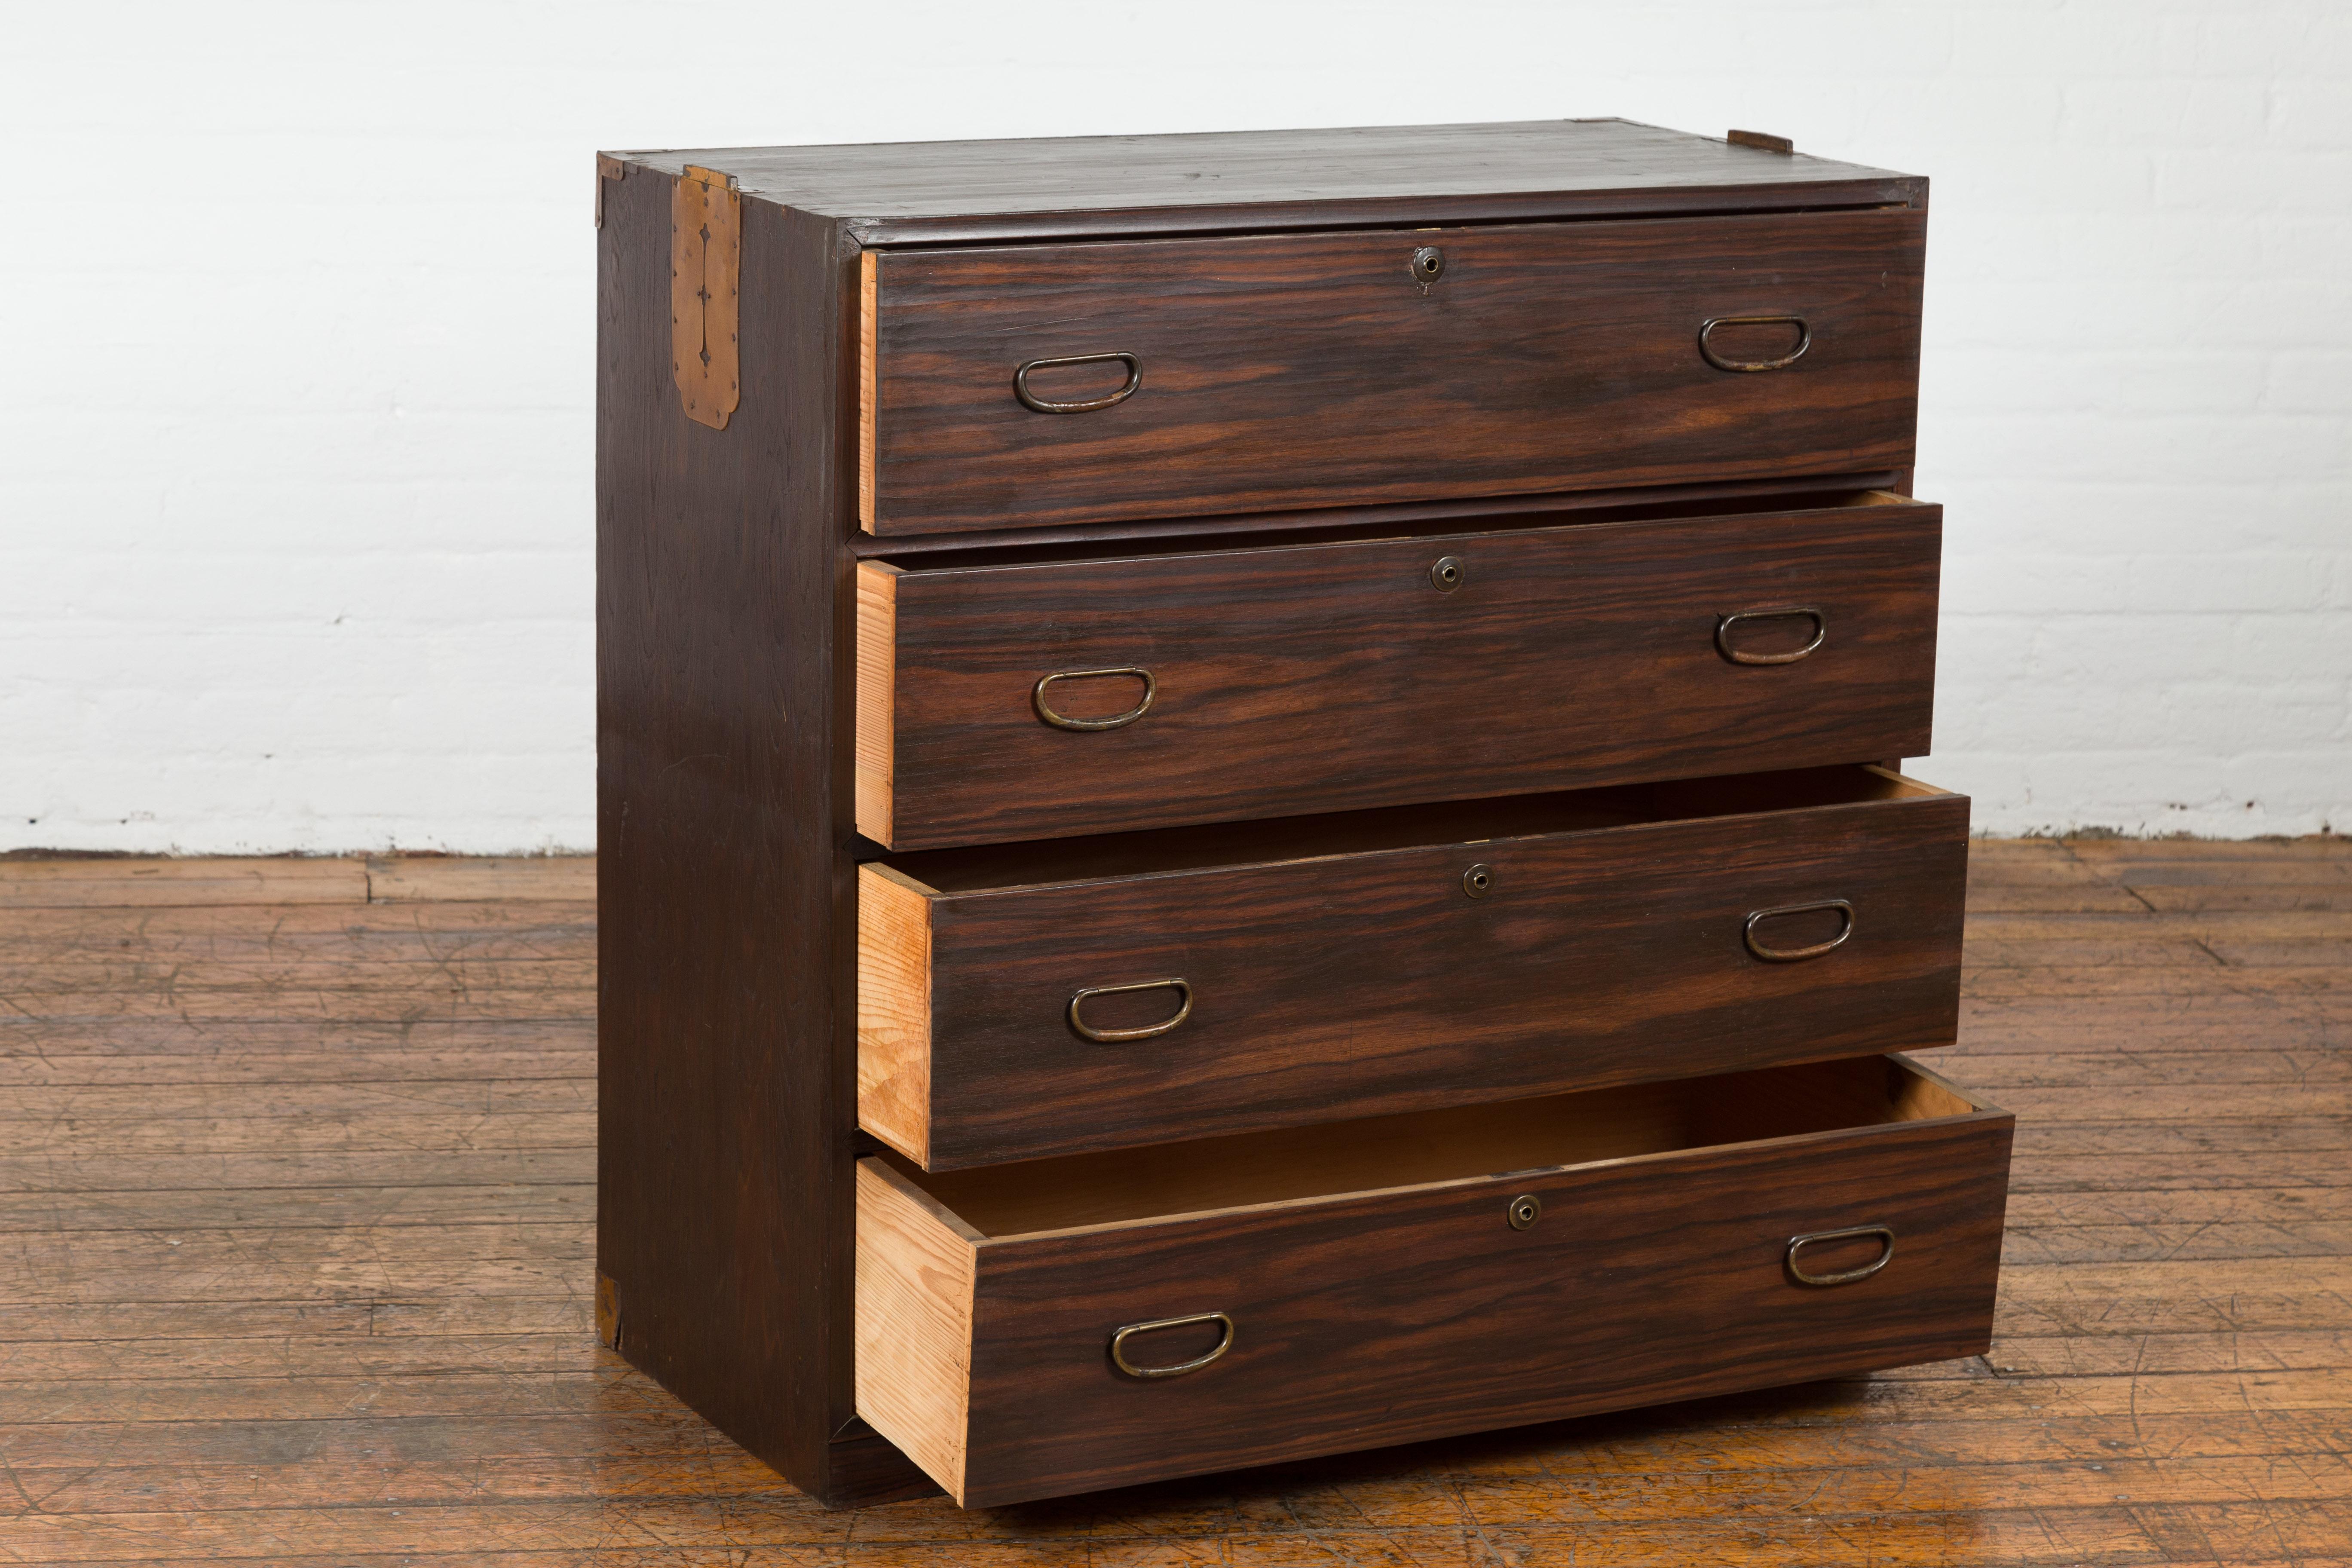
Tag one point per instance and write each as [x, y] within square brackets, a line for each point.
[981, 868]
[1467, 1143]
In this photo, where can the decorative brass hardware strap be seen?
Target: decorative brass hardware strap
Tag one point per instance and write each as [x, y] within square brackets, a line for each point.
[1804, 341]
[1112, 1036]
[1047, 405]
[1119, 1344]
[705, 256]
[1844, 1277]
[1723, 634]
[1792, 954]
[1060, 721]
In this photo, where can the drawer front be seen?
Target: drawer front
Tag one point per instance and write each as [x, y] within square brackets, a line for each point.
[1357, 986]
[1388, 1318]
[1279, 371]
[1334, 677]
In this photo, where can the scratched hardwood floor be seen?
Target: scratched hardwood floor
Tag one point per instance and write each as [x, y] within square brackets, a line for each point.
[295, 1183]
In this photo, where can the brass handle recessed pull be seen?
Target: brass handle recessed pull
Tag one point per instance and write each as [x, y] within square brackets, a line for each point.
[1112, 1036]
[1804, 341]
[1846, 1276]
[1791, 613]
[1119, 1344]
[1792, 954]
[1084, 405]
[1045, 710]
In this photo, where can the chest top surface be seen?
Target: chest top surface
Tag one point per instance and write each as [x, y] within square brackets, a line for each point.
[934, 192]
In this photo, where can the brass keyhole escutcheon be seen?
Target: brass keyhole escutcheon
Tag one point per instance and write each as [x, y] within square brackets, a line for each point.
[1449, 573]
[1525, 1210]
[1428, 264]
[1478, 881]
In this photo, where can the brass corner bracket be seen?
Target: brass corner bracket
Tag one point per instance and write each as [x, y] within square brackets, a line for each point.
[706, 254]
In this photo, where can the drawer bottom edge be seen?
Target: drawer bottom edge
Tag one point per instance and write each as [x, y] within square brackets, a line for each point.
[1729, 1384]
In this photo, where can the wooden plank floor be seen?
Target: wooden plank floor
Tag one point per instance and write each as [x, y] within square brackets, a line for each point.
[296, 1189]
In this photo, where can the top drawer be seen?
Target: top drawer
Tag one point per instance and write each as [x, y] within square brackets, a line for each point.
[1277, 371]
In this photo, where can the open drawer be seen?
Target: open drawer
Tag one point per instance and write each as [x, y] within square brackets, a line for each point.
[1064, 1325]
[1003, 700]
[1020, 1001]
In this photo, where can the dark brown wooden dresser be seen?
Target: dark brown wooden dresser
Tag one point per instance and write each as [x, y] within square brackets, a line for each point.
[1249, 795]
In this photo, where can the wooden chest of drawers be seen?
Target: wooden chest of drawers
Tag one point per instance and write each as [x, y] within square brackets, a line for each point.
[1246, 798]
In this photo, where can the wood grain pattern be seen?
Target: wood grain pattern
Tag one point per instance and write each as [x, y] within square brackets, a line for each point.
[1385, 521]
[1334, 677]
[894, 1010]
[726, 1013]
[439, 878]
[877, 680]
[914, 1322]
[1333, 984]
[942, 192]
[385, 1350]
[729, 776]
[1282, 370]
[869, 283]
[1416, 1311]
[156, 882]
[1291, 1164]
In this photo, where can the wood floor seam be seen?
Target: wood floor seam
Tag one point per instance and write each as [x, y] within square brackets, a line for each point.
[2176, 1301]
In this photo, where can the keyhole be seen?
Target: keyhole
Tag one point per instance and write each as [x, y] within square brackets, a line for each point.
[1448, 575]
[1478, 881]
[1428, 264]
[1525, 1210]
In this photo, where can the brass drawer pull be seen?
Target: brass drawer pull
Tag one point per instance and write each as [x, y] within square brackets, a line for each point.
[1112, 1036]
[1792, 954]
[1723, 634]
[1804, 341]
[1037, 696]
[1844, 1276]
[1118, 1345]
[1047, 405]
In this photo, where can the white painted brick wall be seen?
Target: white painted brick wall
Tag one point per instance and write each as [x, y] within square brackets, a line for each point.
[295, 329]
